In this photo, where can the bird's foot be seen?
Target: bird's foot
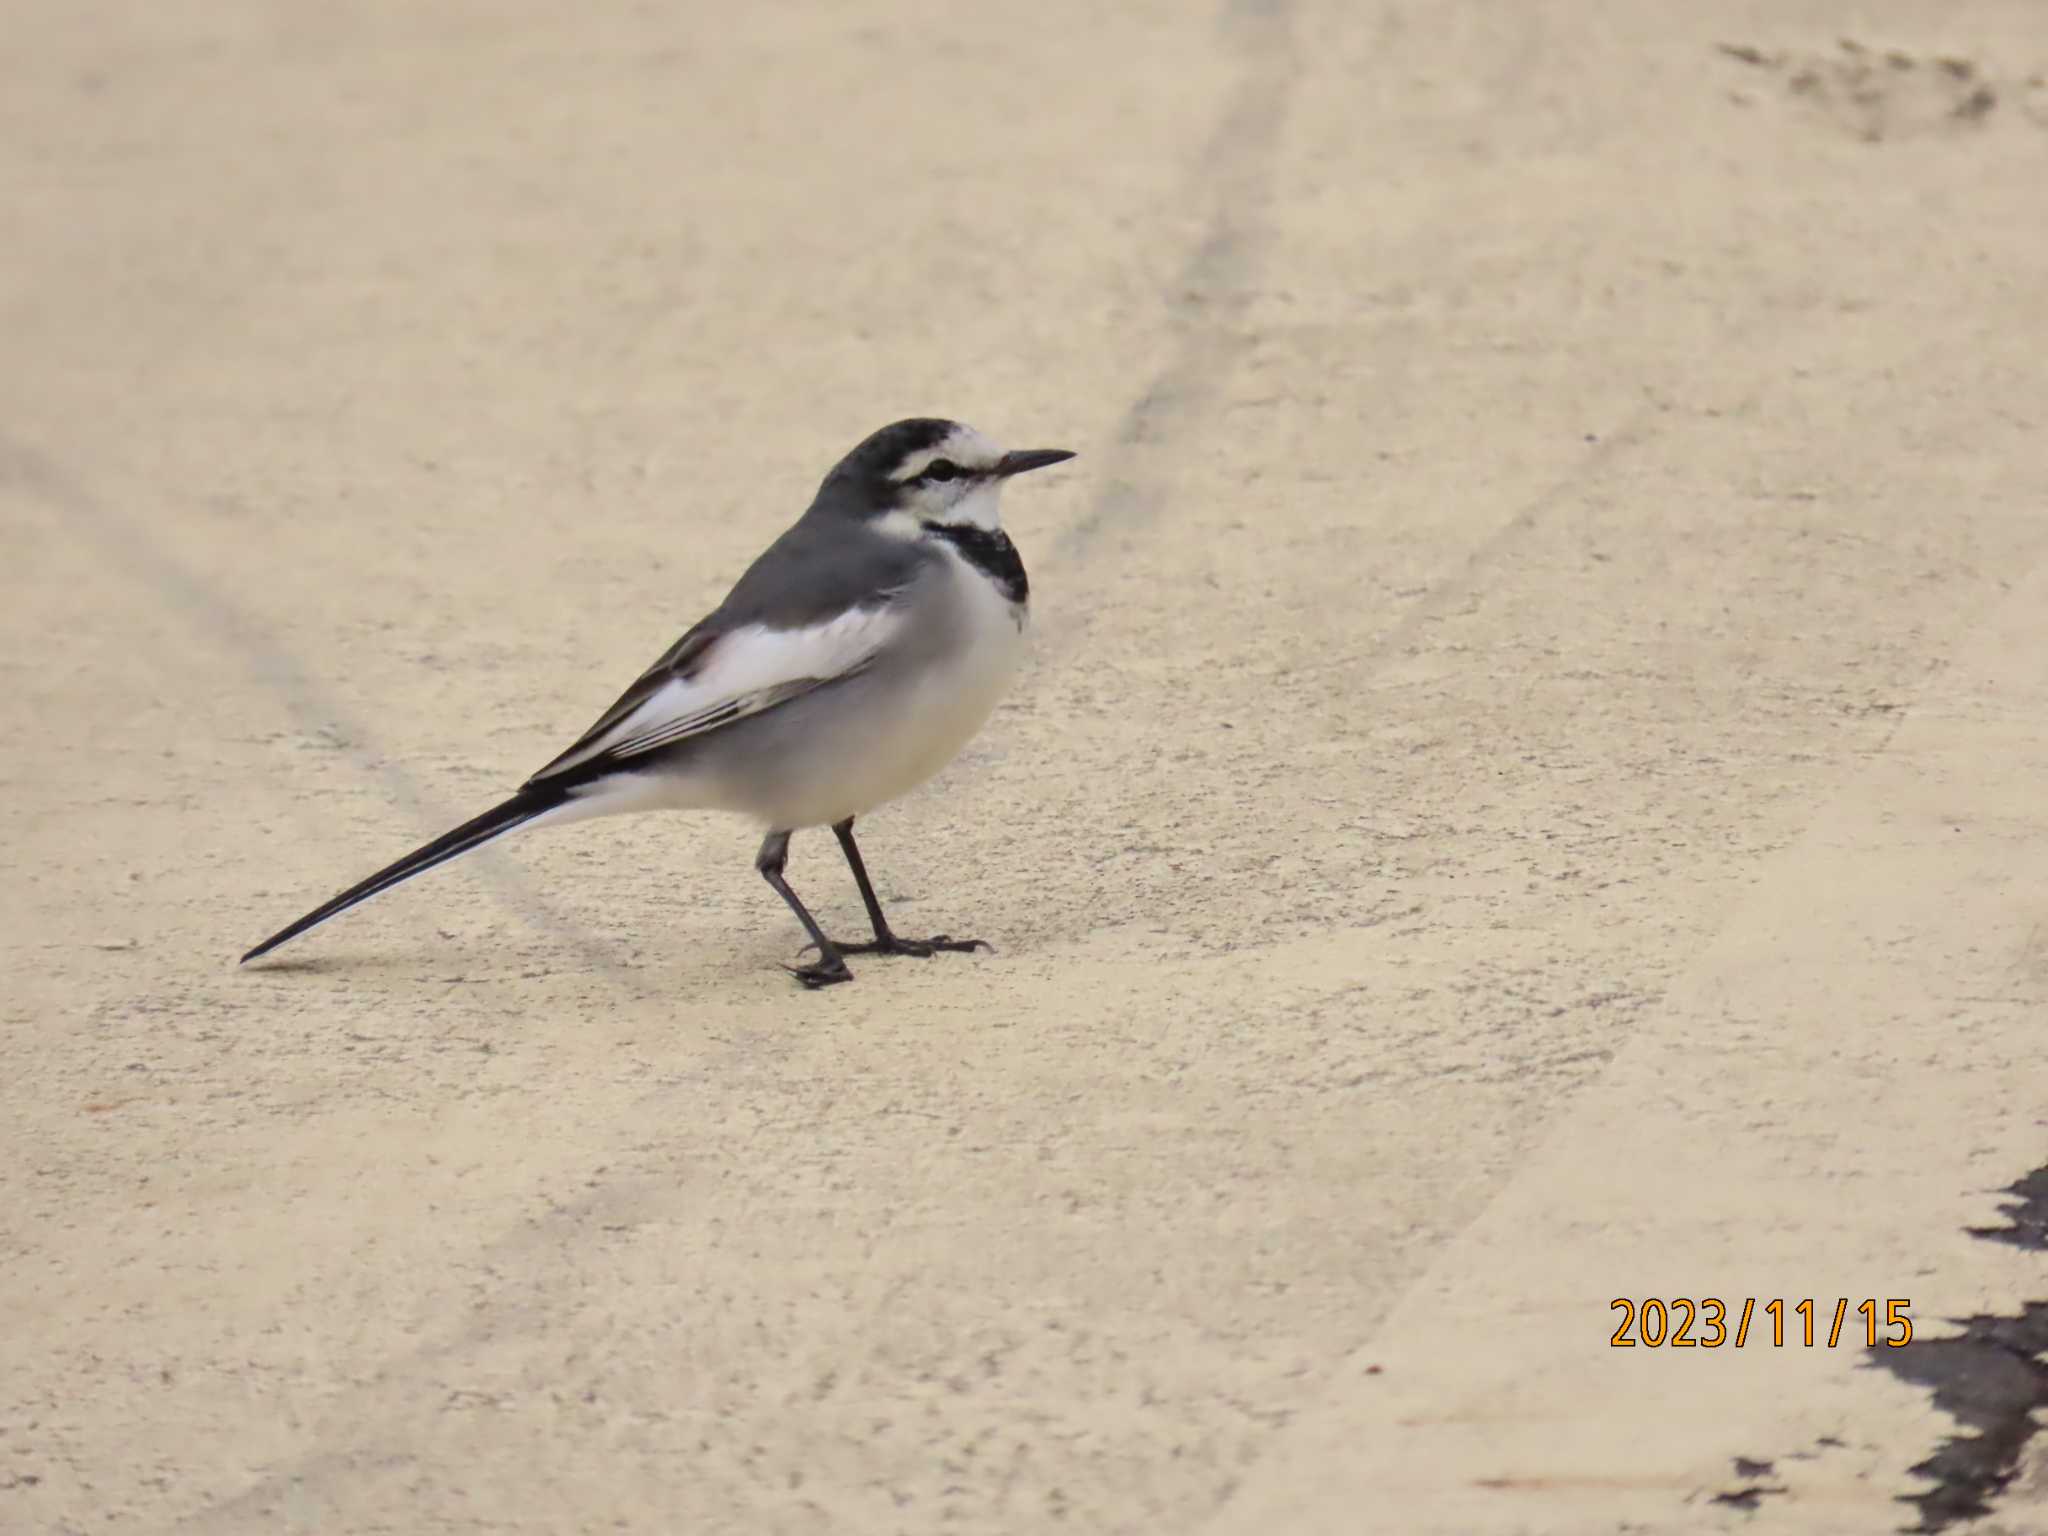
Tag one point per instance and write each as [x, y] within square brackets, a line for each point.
[924, 949]
[824, 973]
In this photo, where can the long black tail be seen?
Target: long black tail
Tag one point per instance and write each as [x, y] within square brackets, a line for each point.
[521, 808]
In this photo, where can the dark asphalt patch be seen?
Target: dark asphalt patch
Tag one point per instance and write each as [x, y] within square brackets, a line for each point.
[1988, 1379]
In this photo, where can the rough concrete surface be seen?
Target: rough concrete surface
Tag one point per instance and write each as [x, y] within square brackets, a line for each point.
[1529, 789]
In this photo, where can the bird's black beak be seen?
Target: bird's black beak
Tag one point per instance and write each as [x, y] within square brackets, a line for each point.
[1029, 458]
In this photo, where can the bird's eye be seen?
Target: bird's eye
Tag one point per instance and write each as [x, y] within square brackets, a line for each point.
[941, 469]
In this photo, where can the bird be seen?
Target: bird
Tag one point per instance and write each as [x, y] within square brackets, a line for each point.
[849, 664]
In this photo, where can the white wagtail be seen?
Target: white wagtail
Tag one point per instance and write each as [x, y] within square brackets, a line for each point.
[851, 662]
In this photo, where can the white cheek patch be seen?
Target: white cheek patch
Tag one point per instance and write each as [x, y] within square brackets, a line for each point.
[899, 525]
[948, 501]
[980, 508]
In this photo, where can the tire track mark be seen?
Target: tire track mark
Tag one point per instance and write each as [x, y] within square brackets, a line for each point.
[1214, 288]
[214, 616]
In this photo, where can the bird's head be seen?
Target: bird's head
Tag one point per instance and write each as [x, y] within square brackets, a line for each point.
[927, 472]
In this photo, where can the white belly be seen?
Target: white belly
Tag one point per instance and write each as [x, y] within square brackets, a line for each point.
[915, 724]
[953, 699]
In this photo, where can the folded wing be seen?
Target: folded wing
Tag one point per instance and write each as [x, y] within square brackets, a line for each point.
[714, 677]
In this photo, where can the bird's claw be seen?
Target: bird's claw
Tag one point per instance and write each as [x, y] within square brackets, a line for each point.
[924, 949]
[946, 942]
[819, 975]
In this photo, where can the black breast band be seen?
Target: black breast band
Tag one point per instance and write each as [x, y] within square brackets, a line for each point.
[990, 552]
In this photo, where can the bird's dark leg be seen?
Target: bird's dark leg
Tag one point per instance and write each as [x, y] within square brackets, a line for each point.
[831, 966]
[886, 942]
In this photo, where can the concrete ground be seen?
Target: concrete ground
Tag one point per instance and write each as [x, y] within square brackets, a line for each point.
[1529, 790]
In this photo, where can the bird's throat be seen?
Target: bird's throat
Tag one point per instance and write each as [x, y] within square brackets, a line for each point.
[990, 552]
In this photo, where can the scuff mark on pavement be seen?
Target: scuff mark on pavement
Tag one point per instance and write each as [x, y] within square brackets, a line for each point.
[1747, 1499]
[2026, 1214]
[1752, 1470]
[1214, 288]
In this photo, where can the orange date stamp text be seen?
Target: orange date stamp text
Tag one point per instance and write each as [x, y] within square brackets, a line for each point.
[1709, 1322]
